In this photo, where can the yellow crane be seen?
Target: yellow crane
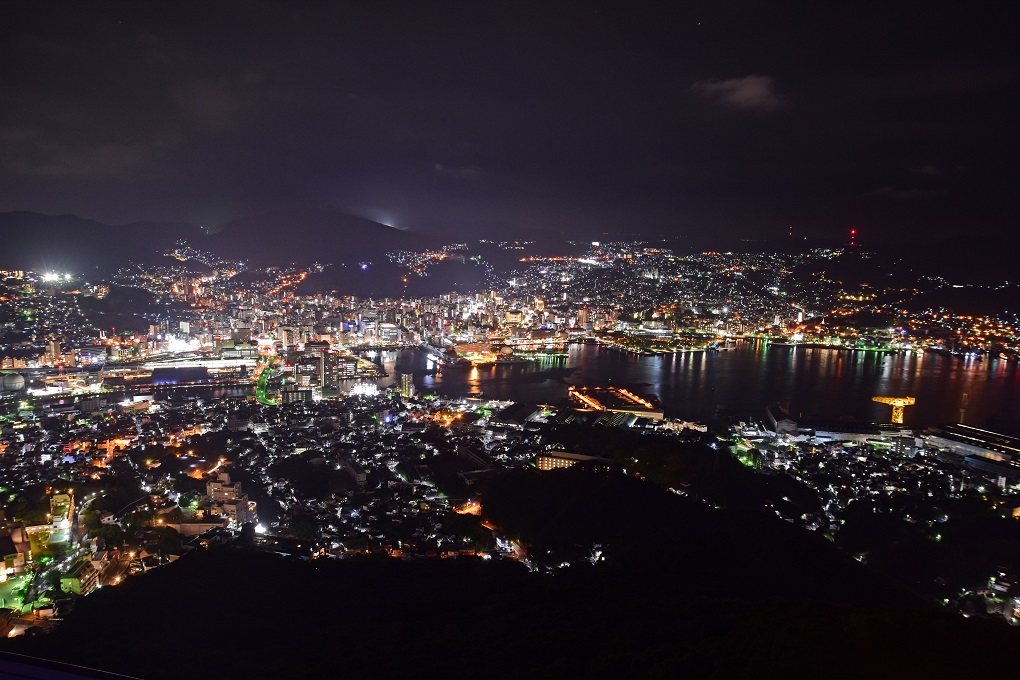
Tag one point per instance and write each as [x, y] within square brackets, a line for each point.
[898, 404]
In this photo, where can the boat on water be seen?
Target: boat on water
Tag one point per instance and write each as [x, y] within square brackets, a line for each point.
[511, 360]
[501, 361]
[444, 358]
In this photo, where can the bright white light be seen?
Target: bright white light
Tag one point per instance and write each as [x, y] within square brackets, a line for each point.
[259, 529]
[364, 390]
[178, 345]
[46, 391]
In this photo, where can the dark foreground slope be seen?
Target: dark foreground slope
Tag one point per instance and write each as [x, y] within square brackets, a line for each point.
[690, 592]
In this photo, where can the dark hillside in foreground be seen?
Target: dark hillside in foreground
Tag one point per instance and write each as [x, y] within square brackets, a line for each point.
[707, 598]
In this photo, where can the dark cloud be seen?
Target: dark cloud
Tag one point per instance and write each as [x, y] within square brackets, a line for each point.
[38, 44]
[466, 172]
[16, 134]
[889, 192]
[99, 162]
[754, 93]
[735, 118]
[964, 79]
[213, 104]
[148, 39]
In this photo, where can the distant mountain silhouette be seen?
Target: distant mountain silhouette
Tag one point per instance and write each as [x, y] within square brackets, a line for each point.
[308, 235]
[346, 242]
[354, 248]
[961, 261]
[75, 244]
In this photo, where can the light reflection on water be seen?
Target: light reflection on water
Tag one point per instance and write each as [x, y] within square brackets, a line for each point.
[814, 382]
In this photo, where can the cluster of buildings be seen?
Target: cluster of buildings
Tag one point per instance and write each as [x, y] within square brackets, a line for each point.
[918, 478]
[355, 474]
[326, 469]
[637, 297]
[381, 474]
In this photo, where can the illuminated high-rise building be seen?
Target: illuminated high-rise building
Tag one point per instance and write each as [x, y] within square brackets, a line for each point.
[407, 385]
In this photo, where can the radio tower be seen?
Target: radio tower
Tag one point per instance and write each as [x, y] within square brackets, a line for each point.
[853, 237]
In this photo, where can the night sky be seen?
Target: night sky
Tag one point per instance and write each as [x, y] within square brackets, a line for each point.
[730, 118]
